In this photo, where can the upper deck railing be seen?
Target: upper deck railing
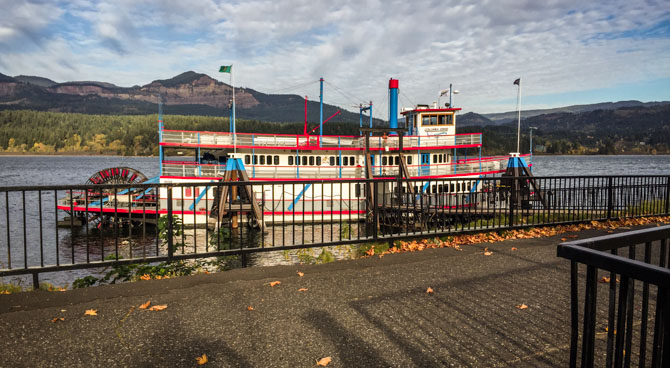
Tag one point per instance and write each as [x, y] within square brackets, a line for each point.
[183, 138]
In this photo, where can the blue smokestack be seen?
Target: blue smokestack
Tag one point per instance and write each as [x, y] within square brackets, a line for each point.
[393, 103]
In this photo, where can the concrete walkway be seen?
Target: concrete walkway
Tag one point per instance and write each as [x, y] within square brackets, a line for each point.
[372, 312]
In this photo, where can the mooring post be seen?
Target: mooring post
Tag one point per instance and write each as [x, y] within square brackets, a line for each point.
[610, 198]
[169, 226]
[36, 281]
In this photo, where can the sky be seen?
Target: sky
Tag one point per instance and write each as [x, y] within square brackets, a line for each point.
[565, 52]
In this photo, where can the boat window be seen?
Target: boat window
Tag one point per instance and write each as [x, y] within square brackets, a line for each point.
[338, 161]
[435, 159]
[458, 187]
[188, 192]
[440, 188]
[451, 187]
[332, 161]
[269, 160]
[247, 159]
[318, 160]
[434, 186]
[255, 159]
[384, 161]
[276, 160]
[470, 186]
[262, 160]
[425, 120]
[311, 160]
[304, 160]
[433, 120]
[409, 160]
[357, 190]
[290, 160]
[352, 160]
[397, 160]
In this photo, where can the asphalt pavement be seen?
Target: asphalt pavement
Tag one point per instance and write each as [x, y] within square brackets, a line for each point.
[372, 312]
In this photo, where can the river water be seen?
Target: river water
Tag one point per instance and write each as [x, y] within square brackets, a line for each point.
[69, 170]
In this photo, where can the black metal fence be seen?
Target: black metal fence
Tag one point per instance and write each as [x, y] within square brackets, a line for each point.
[56, 228]
[631, 325]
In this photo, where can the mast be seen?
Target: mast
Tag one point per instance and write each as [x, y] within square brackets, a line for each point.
[518, 107]
[320, 110]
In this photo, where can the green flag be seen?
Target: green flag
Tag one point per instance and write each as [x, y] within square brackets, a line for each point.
[226, 69]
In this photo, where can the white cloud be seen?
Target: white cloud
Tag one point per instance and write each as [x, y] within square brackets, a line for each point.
[556, 46]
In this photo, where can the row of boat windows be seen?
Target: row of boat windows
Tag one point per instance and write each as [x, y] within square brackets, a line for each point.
[333, 161]
[440, 188]
[431, 120]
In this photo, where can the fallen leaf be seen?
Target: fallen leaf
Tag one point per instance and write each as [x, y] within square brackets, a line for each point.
[58, 319]
[301, 274]
[324, 361]
[302, 289]
[158, 307]
[522, 306]
[604, 280]
[61, 289]
[63, 310]
[202, 360]
[487, 252]
[429, 290]
[513, 249]
[159, 277]
[275, 283]
[145, 277]
[91, 312]
[250, 308]
[564, 239]
[145, 305]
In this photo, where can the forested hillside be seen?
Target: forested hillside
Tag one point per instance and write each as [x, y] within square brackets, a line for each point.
[25, 131]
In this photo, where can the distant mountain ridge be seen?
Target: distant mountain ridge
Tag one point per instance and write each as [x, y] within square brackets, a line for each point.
[189, 93]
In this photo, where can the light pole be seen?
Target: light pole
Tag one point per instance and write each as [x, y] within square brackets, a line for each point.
[531, 147]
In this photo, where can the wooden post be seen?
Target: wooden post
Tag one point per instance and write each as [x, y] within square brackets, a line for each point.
[233, 196]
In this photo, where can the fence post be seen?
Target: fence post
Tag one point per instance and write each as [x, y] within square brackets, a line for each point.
[610, 199]
[170, 239]
[512, 200]
[667, 196]
[375, 211]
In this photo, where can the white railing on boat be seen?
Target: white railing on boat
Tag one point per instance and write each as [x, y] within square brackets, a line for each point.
[194, 139]
[461, 167]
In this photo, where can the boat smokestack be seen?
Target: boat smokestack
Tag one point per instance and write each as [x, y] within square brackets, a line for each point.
[393, 103]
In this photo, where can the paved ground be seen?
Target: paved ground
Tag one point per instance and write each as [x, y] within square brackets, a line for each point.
[363, 313]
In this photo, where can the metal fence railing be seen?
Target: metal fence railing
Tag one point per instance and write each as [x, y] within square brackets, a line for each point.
[631, 325]
[57, 228]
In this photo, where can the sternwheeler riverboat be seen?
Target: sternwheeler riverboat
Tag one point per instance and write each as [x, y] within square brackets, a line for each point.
[327, 166]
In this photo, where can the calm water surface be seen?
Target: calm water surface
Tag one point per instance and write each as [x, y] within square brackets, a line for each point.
[68, 170]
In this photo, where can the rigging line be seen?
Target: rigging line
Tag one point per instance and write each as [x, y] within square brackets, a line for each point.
[290, 87]
[408, 99]
[346, 94]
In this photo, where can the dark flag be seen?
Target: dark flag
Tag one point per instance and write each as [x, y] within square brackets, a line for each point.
[517, 81]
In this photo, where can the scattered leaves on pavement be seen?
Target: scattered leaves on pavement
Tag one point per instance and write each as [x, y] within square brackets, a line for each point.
[201, 359]
[522, 306]
[91, 312]
[145, 305]
[324, 361]
[145, 277]
[158, 307]
[275, 283]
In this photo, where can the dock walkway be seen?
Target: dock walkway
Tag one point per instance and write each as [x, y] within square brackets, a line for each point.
[372, 312]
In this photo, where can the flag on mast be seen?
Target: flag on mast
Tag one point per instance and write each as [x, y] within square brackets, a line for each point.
[517, 81]
[226, 69]
[444, 92]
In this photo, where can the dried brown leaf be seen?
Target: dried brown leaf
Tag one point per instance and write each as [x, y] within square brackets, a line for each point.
[522, 306]
[91, 312]
[275, 283]
[514, 248]
[302, 289]
[202, 360]
[145, 277]
[250, 308]
[158, 307]
[324, 361]
[145, 305]
[604, 280]
[301, 274]
[57, 319]
[429, 290]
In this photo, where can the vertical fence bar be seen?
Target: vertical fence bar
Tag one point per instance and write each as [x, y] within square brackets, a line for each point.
[9, 244]
[55, 223]
[589, 331]
[25, 233]
[39, 202]
[645, 309]
[170, 219]
[621, 322]
[574, 313]
[611, 316]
